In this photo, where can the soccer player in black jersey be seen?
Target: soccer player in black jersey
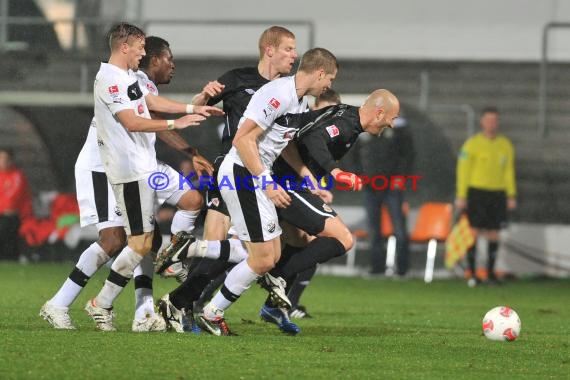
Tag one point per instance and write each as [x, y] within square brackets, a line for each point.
[324, 137]
[297, 286]
[277, 54]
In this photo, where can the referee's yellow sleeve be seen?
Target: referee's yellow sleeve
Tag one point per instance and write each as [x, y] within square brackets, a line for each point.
[463, 171]
[510, 181]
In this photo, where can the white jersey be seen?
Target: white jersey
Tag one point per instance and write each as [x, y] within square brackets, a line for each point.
[271, 101]
[127, 156]
[89, 158]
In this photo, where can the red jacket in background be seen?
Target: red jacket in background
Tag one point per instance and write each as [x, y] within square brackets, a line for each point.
[15, 193]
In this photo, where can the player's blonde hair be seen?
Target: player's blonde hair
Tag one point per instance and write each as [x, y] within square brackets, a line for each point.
[318, 58]
[121, 32]
[272, 36]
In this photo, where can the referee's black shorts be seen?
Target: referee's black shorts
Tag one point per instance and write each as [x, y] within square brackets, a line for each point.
[486, 210]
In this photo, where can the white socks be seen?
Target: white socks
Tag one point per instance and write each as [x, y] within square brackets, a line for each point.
[238, 281]
[184, 221]
[144, 303]
[124, 266]
[230, 250]
[89, 262]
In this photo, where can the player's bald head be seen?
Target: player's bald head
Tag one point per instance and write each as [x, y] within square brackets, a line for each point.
[382, 98]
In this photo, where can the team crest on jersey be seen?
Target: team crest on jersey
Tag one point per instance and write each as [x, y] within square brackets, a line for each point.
[140, 109]
[270, 227]
[333, 130]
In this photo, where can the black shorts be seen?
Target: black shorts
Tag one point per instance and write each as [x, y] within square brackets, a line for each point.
[307, 212]
[487, 209]
[214, 200]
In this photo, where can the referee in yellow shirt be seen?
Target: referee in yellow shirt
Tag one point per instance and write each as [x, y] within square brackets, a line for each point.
[486, 186]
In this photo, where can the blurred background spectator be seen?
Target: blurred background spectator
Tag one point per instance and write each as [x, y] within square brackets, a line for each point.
[15, 205]
[390, 154]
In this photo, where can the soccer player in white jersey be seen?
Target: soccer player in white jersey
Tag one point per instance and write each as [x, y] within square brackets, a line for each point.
[97, 206]
[126, 137]
[251, 205]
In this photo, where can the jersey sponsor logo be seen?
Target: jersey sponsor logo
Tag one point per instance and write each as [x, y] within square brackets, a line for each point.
[268, 111]
[274, 103]
[215, 202]
[113, 89]
[140, 109]
[333, 131]
[134, 91]
[150, 87]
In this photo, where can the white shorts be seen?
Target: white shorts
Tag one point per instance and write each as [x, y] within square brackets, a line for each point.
[96, 200]
[253, 215]
[136, 200]
[169, 191]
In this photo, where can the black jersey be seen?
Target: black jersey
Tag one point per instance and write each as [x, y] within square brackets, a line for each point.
[240, 85]
[323, 138]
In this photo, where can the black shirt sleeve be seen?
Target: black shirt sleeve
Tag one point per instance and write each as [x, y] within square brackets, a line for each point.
[227, 80]
[329, 138]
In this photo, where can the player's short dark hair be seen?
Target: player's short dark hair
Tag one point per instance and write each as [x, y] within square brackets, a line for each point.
[121, 32]
[328, 96]
[489, 109]
[154, 47]
[318, 58]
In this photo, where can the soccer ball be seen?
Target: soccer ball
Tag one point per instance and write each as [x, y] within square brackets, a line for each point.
[501, 323]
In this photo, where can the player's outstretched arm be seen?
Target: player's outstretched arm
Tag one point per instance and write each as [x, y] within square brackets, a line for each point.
[210, 90]
[159, 103]
[135, 123]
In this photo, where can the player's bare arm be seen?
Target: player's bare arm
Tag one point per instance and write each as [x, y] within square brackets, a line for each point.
[213, 88]
[291, 155]
[245, 142]
[159, 103]
[134, 123]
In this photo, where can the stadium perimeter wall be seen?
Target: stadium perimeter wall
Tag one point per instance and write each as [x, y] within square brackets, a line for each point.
[506, 30]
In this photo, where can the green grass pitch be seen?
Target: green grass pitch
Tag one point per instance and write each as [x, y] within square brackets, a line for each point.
[363, 329]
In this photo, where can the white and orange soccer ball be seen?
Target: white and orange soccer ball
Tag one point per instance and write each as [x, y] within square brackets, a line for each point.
[501, 323]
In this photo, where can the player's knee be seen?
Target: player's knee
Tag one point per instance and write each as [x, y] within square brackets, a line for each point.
[191, 200]
[112, 240]
[346, 239]
[264, 264]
